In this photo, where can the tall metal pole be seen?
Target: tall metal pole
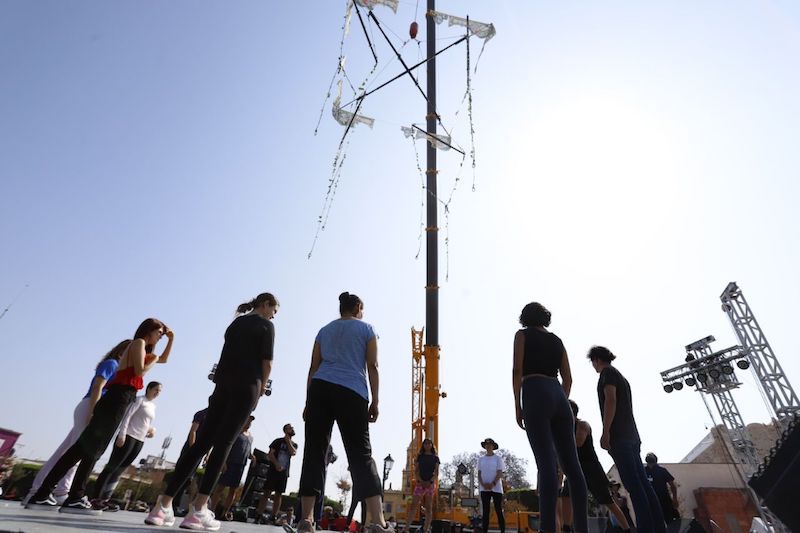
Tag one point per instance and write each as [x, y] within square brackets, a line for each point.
[432, 244]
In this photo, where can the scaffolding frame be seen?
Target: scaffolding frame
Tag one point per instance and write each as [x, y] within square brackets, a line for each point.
[782, 399]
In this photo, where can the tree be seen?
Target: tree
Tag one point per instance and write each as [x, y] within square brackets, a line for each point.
[344, 487]
[514, 474]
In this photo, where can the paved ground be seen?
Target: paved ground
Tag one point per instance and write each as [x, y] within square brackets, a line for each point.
[15, 518]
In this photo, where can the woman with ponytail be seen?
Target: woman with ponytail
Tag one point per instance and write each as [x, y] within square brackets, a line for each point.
[345, 353]
[241, 378]
[134, 363]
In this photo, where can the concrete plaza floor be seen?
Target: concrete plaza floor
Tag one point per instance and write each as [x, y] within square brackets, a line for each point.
[14, 517]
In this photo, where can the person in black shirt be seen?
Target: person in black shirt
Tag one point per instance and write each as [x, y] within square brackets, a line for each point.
[543, 412]
[281, 451]
[660, 479]
[427, 473]
[598, 484]
[240, 380]
[621, 439]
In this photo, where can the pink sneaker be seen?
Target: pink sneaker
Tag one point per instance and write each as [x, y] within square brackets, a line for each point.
[160, 516]
[202, 520]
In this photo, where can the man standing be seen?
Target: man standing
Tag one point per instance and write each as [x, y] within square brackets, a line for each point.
[240, 453]
[280, 456]
[660, 479]
[621, 439]
[490, 476]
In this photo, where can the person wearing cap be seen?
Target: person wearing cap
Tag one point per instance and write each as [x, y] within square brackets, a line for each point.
[231, 477]
[660, 479]
[490, 477]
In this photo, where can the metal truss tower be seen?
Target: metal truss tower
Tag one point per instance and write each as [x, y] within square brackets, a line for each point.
[712, 374]
[783, 401]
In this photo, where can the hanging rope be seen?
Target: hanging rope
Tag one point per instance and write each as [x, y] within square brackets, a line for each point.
[469, 113]
[339, 67]
[330, 194]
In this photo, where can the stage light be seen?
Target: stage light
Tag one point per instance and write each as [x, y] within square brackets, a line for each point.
[744, 364]
[727, 369]
[667, 388]
[714, 373]
[677, 385]
[702, 377]
[690, 382]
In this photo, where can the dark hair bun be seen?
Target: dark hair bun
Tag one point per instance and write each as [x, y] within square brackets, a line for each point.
[344, 297]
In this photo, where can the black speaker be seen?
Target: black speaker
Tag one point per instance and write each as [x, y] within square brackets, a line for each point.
[777, 481]
[440, 526]
[258, 484]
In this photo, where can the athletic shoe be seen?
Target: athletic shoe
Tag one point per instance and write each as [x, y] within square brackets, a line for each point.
[82, 506]
[46, 504]
[202, 520]
[105, 505]
[60, 499]
[377, 528]
[305, 526]
[160, 516]
[111, 507]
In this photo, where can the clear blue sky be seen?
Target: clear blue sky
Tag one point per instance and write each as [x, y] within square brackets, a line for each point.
[158, 159]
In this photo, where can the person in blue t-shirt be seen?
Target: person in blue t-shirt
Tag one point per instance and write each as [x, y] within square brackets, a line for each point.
[345, 355]
[103, 372]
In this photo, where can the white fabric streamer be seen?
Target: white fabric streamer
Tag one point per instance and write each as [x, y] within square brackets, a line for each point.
[419, 133]
[479, 29]
[346, 118]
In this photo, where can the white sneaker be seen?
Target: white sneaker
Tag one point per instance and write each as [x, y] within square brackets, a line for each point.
[202, 520]
[160, 516]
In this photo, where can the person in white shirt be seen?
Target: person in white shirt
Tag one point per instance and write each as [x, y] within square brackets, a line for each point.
[136, 426]
[490, 476]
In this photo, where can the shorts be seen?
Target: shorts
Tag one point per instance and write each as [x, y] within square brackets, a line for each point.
[232, 476]
[276, 482]
[597, 483]
[422, 490]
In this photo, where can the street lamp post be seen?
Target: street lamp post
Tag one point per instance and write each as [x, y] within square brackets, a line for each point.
[388, 463]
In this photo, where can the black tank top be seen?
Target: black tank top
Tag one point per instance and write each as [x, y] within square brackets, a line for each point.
[543, 353]
[586, 453]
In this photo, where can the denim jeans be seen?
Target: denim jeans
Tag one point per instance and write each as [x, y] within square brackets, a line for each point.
[551, 433]
[627, 457]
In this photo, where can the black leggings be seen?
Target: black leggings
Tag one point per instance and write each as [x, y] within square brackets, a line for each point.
[328, 403]
[107, 415]
[120, 459]
[486, 497]
[551, 433]
[229, 407]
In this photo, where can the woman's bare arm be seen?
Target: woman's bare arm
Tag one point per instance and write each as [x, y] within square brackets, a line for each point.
[374, 378]
[516, 381]
[566, 374]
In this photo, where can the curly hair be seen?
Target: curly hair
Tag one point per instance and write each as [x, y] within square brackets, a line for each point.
[534, 314]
